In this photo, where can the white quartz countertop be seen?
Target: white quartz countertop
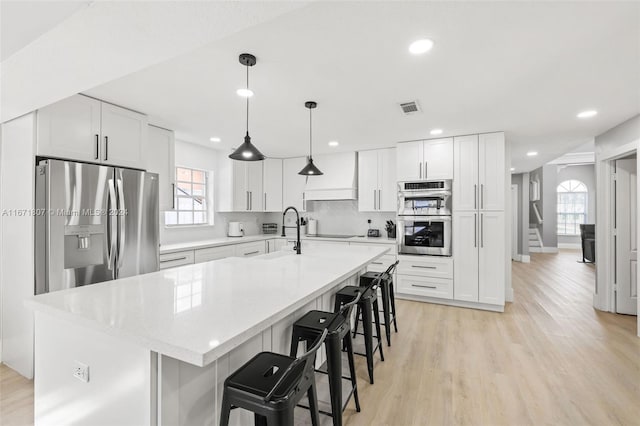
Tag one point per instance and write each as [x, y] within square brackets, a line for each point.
[197, 313]
[191, 245]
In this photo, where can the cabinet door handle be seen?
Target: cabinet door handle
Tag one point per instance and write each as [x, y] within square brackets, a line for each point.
[376, 263]
[106, 148]
[475, 196]
[252, 252]
[425, 169]
[424, 267]
[374, 200]
[246, 202]
[173, 196]
[420, 169]
[475, 229]
[481, 230]
[265, 201]
[97, 146]
[250, 200]
[424, 286]
[304, 202]
[482, 196]
[379, 198]
[174, 259]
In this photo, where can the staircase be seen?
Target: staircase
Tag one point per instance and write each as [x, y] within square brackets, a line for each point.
[535, 240]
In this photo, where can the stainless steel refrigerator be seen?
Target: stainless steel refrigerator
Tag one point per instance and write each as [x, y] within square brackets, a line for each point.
[93, 223]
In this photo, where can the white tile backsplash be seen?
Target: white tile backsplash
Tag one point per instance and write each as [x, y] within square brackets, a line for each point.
[339, 217]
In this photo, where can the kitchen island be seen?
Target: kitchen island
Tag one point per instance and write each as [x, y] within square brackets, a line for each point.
[156, 348]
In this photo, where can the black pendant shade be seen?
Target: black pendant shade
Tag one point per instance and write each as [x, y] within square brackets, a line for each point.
[310, 169]
[247, 151]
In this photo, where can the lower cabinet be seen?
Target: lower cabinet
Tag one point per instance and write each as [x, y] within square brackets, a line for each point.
[429, 276]
[425, 286]
[250, 249]
[479, 250]
[178, 258]
[213, 253]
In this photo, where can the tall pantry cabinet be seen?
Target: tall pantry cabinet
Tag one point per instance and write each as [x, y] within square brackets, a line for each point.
[479, 229]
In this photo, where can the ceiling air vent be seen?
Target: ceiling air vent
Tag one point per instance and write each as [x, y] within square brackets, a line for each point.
[410, 107]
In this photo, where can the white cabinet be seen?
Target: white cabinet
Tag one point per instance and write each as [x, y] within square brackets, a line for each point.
[213, 253]
[250, 249]
[272, 185]
[160, 159]
[70, 129]
[377, 180]
[293, 184]
[178, 258]
[239, 185]
[422, 160]
[86, 129]
[479, 250]
[429, 276]
[479, 172]
[124, 136]
[425, 286]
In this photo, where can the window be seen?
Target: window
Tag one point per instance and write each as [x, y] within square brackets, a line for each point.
[572, 207]
[192, 199]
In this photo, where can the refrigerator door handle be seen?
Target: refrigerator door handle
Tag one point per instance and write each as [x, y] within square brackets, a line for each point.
[111, 238]
[121, 215]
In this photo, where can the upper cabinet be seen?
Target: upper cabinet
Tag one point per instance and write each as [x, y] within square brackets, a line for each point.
[239, 186]
[293, 184]
[425, 160]
[377, 180]
[480, 170]
[272, 185]
[86, 129]
[160, 159]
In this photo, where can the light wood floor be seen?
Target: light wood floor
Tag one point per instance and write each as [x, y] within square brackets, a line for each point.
[550, 358]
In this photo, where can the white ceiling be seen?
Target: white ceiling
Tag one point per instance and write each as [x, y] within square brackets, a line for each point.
[21, 22]
[523, 67]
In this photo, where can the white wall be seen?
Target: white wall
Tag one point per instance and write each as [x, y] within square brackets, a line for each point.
[612, 142]
[586, 174]
[201, 157]
[522, 182]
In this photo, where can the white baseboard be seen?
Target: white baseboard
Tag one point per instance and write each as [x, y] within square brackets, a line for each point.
[508, 297]
[524, 258]
[543, 249]
[569, 246]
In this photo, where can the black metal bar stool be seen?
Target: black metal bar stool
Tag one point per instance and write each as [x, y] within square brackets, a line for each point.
[388, 298]
[338, 325]
[271, 385]
[367, 304]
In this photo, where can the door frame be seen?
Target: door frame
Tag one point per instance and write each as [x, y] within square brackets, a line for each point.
[515, 248]
[604, 296]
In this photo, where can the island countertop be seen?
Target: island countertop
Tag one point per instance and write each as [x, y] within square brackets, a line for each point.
[197, 313]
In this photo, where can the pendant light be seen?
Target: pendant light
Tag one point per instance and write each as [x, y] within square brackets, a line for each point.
[310, 169]
[247, 151]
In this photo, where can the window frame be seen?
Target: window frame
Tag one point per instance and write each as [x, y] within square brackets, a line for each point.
[573, 187]
[208, 198]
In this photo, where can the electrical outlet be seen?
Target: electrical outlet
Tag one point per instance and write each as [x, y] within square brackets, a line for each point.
[81, 372]
[369, 221]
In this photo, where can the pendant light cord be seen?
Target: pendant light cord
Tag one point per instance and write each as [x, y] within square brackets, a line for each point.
[310, 134]
[247, 99]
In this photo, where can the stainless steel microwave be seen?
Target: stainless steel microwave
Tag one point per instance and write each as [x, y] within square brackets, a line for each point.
[432, 198]
[425, 235]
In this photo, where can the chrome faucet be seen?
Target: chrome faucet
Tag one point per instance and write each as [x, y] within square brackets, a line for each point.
[296, 247]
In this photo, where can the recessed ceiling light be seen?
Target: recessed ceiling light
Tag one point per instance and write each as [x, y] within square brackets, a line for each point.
[419, 47]
[215, 139]
[245, 93]
[436, 132]
[532, 153]
[333, 143]
[588, 114]
[513, 168]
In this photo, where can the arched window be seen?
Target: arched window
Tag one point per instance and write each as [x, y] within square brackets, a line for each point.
[572, 207]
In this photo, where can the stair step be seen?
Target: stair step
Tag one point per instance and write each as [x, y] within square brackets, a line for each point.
[534, 244]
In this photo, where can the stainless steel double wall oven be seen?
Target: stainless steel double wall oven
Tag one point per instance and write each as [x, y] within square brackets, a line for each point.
[424, 218]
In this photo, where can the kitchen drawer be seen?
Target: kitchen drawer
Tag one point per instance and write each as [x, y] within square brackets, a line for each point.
[250, 249]
[424, 286]
[381, 264]
[178, 258]
[426, 266]
[213, 253]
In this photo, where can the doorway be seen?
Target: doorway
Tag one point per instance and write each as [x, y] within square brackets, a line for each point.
[625, 234]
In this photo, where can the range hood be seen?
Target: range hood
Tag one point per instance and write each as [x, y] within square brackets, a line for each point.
[339, 181]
